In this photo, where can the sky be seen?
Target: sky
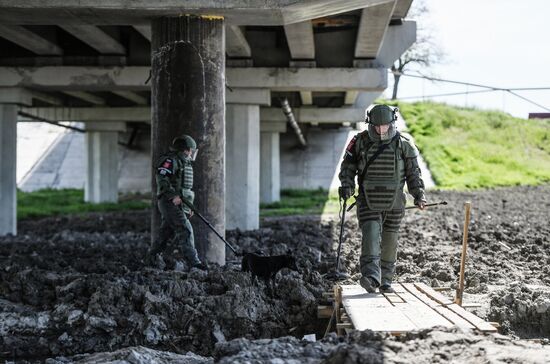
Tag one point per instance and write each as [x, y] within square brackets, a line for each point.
[500, 43]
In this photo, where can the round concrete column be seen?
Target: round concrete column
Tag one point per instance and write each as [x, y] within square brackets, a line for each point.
[188, 97]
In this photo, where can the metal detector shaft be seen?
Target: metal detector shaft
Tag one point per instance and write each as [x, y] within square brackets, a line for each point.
[190, 205]
[353, 204]
[341, 236]
[427, 205]
[409, 207]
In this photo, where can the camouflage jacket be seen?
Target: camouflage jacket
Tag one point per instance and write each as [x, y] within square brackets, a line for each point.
[174, 177]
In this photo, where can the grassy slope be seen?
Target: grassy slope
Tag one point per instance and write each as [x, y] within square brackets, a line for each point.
[464, 148]
[468, 148]
[49, 202]
[302, 202]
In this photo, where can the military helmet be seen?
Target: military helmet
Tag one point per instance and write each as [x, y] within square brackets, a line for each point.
[381, 114]
[184, 142]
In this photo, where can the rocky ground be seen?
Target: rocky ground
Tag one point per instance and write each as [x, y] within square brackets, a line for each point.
[74, 289]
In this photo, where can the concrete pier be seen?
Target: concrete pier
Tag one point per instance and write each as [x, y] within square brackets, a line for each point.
[188, 97]
[270, 174]
[243, 167]
[101, 155]
[8, 148]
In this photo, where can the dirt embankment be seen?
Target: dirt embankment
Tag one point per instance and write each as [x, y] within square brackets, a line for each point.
[77, 285]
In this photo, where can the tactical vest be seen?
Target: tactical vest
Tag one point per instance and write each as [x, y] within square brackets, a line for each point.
[181, 178]
[385, 177]
[186, 178]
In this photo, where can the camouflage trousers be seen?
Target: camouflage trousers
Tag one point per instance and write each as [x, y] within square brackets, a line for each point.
[175, 226]
[380, 231]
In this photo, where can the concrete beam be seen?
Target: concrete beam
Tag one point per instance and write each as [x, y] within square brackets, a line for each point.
[8, 167]
[300, 41]
[365, 99]
[242, 167]
[29, 40]
[397, 40]
[401, 9]
[236, 44]
[372, 27]
[50, 99]
[315, 115]
[15, 95]
[86, 96]
[85, 114]
[95, 38]
[132, 96]
[143, 114]
[272, 127]
[307, 97]
[131, 12]
[144, 30]
[133, 78]
[248, 96]
[105, 126]
[309, 79]
[350, 97]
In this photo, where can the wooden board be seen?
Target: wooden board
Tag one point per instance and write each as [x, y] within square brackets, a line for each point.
[468, 316]
[373, 311]
[413, 306]
[421, 315]
[442, 310]
[473, 319]
[433, 294]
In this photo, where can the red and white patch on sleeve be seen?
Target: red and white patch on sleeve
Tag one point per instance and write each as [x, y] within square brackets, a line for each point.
[166, 167]
[349, 148]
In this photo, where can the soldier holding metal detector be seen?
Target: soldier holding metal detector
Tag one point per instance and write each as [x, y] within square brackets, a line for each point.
[174, 177]
[383, 160]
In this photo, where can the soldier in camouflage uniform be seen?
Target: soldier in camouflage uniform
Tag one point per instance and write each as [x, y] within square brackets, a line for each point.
[381, 200]
[174, 176]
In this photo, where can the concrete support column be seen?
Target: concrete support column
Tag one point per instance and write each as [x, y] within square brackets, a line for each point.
[101, 154]
[270, 175]
[188, 97]
[8, 159]
[243, 167]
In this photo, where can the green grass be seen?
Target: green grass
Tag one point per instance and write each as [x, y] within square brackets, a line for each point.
[302, 202]
[48, 202]
[467, 148]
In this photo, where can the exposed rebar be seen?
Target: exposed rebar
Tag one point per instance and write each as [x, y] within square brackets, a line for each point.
[41, 119]
[292, 120]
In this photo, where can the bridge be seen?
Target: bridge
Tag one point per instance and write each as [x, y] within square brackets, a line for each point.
[215, 70]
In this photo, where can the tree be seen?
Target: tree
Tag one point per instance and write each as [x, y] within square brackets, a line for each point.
[425, 52]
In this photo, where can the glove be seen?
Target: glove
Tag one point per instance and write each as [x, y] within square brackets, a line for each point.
[346, 192]
[420, 201]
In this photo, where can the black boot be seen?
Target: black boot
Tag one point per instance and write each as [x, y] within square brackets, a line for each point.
[369, 284]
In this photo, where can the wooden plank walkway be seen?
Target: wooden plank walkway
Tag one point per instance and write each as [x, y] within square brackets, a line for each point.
[413, 306]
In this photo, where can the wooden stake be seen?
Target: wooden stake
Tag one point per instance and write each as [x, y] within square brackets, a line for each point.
[332, 317]
[337, 304]
[460, 290]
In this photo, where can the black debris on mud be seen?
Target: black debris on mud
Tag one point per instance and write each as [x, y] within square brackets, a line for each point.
[438, 345]
[77, 285]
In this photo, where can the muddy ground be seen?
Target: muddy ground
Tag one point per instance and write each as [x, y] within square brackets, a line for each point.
[72, 286]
